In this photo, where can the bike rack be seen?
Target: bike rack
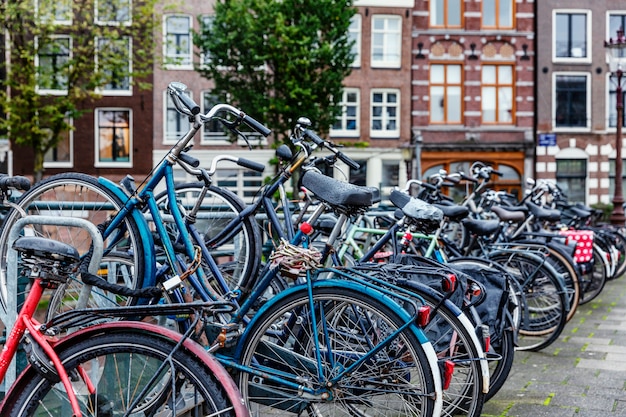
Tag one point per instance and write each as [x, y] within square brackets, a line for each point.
[8, 312]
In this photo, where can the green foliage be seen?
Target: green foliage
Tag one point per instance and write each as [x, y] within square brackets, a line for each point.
[279, 60]
[95, 56]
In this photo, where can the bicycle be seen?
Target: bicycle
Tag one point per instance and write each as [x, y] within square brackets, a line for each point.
[106, 368]
[356, 325]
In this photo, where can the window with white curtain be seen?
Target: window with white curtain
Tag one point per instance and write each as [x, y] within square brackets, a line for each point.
[497, 93]
[446, 88]
[386, 41]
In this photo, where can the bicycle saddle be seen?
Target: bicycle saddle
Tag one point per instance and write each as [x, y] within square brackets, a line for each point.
[45, 248]
[338, 194]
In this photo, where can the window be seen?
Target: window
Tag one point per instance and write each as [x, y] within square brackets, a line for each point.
[612, 177]
[113, 12]
[616, 22]
[359, 176]
[55, 11]
[498, 14]
[62, 155]
[114, 55]
[243, 182]
[354, 35]
[176, 124]
[612, 106]
[571, 177]
[445, 93]
[497, 93]
[113, 137]
[178, 41]
[347, 123]
[446, 13]
[571, 107]
[386, 41]
[213, 132]
[206, 24]
[571, 36]
[385, 114]
[53, 64]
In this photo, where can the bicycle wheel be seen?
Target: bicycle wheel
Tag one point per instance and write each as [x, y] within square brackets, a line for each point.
[281, 343]
[76, 195]
[543, 298]
[121, 366]
[594, 280]
[502, 349]
[241, 249]
[449, 333]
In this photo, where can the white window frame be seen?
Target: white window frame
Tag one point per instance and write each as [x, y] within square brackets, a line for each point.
[112, 164]
[344, 132]
[114, 22]
[388, 35]
[355, 33]
[589, 46]
[47, 91]
[68, 6]
[611, 107]
[385, 133]
[187, 57]
[64, 164]
[128, 92]
[586, 128]
[168, 139]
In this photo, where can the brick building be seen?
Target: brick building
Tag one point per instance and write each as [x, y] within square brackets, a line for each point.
[576, 100]
[473, 86]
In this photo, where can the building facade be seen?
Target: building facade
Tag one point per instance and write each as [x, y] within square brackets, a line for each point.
[473, 87]
[376, 116]
[576, 97]
[113, 137]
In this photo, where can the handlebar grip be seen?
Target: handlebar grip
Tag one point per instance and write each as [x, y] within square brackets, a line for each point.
[348, 161]
[498, 173]
[189, 160]
[246, 163]
[258, 126]
[17, 182]
[314, 138]
[193, 107]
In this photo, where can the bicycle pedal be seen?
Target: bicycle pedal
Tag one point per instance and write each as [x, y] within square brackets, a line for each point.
[223, 336]
[40, 361]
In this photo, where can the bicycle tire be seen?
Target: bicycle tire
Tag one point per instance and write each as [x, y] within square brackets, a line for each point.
[75, 195]
[502, 342]
[593, 282]
[119, 365]
[619, 241]
[449, 333]
[563, 264]
[241, 249]
[543, 297]
[264, 351]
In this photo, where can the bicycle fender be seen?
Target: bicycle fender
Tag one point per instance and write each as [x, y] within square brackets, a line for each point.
[146, 237]
[217, 370]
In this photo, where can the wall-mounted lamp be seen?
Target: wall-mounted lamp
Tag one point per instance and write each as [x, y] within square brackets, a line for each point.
[473, 54]
[420, 55]
[525, 56]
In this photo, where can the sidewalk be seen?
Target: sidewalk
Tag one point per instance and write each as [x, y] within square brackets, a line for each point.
[583, 374]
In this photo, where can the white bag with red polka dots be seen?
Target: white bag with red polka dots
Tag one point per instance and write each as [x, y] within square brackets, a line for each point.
[584, 244]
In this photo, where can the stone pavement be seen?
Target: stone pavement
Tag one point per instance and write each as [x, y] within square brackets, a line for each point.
[582, 374]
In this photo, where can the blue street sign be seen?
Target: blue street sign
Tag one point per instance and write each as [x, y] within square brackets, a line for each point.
[547, 139]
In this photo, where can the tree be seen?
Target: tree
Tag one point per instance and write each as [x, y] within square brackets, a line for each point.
[279, 60]
[60, 53]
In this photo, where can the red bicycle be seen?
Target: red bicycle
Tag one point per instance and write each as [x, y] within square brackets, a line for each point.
[114, 367]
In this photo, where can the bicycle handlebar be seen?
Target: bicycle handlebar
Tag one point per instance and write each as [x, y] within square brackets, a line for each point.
[321, 142]
[16, 182]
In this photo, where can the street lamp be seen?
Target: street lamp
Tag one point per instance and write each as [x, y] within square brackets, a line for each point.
[615, 55]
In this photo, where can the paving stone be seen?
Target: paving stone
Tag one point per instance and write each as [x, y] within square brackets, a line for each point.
[582, 374]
